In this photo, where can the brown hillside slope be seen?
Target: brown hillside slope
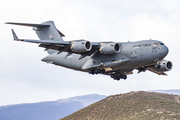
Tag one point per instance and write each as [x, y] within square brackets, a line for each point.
[131, 106]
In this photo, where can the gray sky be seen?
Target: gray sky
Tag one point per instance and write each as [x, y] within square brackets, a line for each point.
[25, 79]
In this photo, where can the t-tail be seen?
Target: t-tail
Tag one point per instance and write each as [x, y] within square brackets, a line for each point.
[49, 32]
[45, 31]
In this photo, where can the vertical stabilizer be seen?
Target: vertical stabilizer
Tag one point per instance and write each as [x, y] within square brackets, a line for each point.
[48, 33]
[45, 31]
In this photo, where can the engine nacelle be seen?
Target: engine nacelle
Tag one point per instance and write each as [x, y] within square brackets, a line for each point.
[164, 66]
[110, 48]
[81, 46]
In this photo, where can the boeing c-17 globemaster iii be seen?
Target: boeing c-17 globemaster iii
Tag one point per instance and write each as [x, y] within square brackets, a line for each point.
[116, 59]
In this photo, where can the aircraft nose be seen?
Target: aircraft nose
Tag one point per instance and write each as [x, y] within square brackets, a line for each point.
[165, 50]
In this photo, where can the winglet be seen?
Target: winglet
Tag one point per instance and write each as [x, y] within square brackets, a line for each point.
[14, 35]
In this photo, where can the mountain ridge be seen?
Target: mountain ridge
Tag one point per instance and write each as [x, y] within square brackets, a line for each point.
[170, 91]
[83, 99]
[48, 110]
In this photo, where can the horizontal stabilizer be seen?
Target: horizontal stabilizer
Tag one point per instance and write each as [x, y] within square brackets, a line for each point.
[28, 24]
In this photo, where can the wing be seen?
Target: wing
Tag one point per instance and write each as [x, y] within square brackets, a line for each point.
[152, 69]
[66, 46]
[51, 39]
[39, 41]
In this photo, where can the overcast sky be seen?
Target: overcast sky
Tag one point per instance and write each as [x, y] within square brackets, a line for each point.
[25, 79]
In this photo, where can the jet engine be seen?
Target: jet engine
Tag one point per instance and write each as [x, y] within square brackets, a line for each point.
[110, 48]
[164, 65]
[81, 46]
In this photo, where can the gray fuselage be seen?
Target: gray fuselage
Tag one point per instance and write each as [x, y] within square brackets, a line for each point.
[132, 56]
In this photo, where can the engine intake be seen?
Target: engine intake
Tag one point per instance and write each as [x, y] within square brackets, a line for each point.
[81, 46]
[110, 48]
[164, 66]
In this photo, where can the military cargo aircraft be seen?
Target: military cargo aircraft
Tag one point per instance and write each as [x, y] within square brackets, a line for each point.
[116, 59]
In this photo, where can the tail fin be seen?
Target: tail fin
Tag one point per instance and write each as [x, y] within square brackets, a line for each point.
[48, 33]
[45, 31]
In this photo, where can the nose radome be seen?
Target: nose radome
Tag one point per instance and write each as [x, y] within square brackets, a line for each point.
[165, 50]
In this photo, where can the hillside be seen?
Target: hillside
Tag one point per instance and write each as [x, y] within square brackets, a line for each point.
[131, 106]
[52, 110]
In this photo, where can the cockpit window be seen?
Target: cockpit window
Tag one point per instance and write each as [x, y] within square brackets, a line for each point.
[155, 44]
[161, 43]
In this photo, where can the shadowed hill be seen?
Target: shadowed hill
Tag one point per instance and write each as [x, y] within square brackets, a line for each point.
[131, 106]
[52, 110]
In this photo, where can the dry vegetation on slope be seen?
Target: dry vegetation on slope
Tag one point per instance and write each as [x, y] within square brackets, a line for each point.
[131, 106]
